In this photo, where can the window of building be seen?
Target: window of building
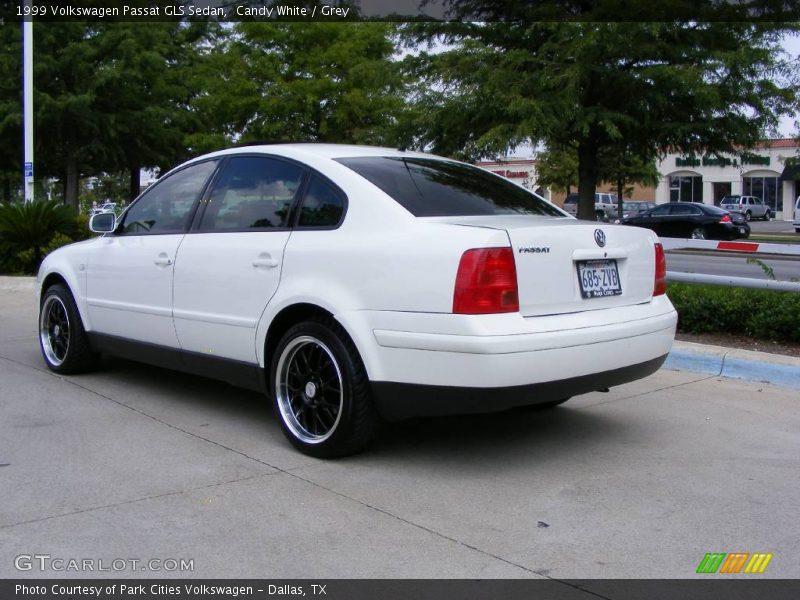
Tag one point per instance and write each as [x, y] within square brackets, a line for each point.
[768, 189]
[684, 188]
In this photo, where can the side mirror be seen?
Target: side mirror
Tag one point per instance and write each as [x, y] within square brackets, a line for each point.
[103, 222]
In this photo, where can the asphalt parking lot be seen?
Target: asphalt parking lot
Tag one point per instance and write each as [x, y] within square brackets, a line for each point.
[133, 462]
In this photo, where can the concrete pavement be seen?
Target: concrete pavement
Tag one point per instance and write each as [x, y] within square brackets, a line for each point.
[134, 462]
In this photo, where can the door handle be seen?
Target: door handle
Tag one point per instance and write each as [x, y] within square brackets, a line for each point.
[162, 260]
[265, 261]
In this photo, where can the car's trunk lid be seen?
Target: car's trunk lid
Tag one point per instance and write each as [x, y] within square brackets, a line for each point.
[549, 251]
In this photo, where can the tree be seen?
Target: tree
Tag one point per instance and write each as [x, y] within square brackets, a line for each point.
[644, 87]
[327, 82]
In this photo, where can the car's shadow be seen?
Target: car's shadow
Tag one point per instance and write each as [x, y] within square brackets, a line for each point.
[510, 435]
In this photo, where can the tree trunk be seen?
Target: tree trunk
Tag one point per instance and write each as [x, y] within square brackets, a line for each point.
[72, 183]
[620, 185]
[587, 178]
[7, 191]
[135, 183]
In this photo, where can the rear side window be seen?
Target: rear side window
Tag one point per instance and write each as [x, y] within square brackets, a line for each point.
[436, 188]
[252, 193]
[322, 205]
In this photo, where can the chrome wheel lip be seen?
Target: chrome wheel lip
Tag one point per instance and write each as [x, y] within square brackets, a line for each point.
[50, 331]
[283, 395]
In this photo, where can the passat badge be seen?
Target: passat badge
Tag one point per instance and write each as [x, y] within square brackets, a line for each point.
[600, 237]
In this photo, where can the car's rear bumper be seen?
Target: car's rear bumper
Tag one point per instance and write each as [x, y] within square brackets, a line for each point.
[398, 401]
[482, 363]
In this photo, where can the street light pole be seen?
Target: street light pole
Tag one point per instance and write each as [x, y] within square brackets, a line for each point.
[27, 110]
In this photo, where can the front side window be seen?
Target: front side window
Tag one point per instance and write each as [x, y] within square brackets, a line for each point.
[166, 207]
[253, 192]
[429, 187]
[322, 205]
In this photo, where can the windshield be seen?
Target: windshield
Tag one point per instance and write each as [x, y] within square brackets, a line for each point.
[429, 187]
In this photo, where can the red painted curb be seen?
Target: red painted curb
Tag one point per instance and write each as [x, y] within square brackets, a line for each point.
[738, 246]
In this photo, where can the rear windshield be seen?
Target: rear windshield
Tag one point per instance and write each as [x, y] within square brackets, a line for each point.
[730, 200]
[436, 188]
[714, 210]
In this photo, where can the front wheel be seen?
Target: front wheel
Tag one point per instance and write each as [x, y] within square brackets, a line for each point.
[62, 338]
[767, 216]
[321, 391]
[698, 233]
[748, 215]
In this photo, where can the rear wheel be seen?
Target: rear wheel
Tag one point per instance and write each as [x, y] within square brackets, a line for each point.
[698, 233]
[62, 338]
[748, 215]
[599, 215]
[321, 391]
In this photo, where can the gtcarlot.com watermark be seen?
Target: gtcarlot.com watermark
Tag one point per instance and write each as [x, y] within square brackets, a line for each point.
[48, 563]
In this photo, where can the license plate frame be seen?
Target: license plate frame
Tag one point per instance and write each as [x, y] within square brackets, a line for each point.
[608, 281]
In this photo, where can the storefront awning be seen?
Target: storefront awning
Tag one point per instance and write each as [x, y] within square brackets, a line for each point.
[791, 172]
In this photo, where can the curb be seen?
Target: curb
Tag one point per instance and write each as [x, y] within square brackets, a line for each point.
[15, 283]
[774, 369]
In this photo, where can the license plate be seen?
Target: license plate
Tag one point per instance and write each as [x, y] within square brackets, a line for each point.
[742, 230]
[599, 278]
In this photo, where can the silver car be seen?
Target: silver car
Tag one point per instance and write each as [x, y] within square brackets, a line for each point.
[797, 215]
[751, 206]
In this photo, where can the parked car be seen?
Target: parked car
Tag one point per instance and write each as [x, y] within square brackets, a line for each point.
[796, 222]
[692, 220]
[635, 207]
[102, 208]
[750, 206]
[605, 205]
[354, 283]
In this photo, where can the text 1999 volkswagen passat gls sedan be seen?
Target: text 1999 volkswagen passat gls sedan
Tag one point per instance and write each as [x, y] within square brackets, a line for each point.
[354, 284]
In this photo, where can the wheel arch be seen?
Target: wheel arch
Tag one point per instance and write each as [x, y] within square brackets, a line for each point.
[294, 313]
[57, 276]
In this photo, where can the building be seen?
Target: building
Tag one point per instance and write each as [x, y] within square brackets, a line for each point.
[521, 171]
[762, 171]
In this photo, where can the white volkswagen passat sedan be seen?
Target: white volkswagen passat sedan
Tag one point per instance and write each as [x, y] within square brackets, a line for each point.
[354, 283]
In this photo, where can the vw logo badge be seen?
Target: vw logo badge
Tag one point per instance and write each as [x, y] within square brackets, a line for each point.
[600, 237]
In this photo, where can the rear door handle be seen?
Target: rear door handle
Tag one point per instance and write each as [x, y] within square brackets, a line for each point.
[265, 261]
[162, 260]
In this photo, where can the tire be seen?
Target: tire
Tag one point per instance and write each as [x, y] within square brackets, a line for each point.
[698, 233]
[767, 216]
[62, 338]
[748, 215]
[599, 215]
[321, 392]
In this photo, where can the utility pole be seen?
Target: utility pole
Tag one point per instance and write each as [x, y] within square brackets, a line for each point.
[27, 108]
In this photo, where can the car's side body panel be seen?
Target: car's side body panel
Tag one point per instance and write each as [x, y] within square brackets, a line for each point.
[222, 283]
[204, 302]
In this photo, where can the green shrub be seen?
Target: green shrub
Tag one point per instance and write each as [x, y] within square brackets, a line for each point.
[29, 230]
[760, 314]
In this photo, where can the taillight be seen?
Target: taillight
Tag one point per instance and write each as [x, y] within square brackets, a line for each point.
[660, 284]
[486, 282]
[725, 219]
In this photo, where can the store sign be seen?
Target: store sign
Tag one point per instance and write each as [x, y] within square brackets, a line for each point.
[721, 161]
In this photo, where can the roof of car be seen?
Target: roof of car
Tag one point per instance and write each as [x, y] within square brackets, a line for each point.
[331, 151]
